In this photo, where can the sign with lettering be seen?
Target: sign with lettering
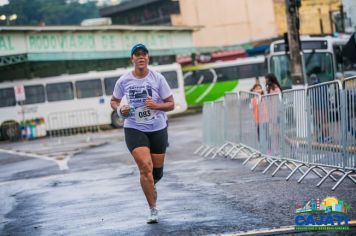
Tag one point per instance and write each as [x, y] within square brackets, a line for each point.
[6, 42]
[49, 44]
[20, 93]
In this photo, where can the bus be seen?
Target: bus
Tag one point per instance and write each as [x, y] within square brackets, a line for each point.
[321, 59]
[209, 82]
[48, 99]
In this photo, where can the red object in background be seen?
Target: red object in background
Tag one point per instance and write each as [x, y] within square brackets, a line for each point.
[184, 60]
[228, 55]
[216, 56]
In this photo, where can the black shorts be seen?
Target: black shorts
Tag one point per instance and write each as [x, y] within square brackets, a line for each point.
[156, 141]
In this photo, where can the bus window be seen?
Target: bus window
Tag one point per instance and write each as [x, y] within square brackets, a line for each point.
[34, 94]
[109, 84]
[7, 97]
[171, 77]
[227, 73]
[280, 67]
[250, 70]
[349, 68]
[199, 77]
[338, 58]
[319, 64]
[343, 65]
[204, 76]
[59, 91]
[189, 78]
[89, 88]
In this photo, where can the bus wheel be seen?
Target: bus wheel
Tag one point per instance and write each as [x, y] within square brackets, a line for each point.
[10, 131]
[116, 121]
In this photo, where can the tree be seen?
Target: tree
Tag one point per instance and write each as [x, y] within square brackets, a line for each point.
[51, 12]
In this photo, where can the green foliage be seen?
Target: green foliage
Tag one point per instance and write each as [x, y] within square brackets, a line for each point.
[51, 12]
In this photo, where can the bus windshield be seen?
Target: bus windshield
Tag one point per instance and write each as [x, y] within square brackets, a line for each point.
[318, 68]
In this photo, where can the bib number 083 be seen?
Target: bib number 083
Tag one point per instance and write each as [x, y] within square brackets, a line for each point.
[143, 115]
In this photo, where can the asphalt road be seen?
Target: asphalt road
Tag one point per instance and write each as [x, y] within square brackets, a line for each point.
[89, 185]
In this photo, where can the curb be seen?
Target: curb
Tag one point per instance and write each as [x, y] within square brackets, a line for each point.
[283, 230]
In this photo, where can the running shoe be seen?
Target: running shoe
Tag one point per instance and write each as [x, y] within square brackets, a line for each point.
[153, 217]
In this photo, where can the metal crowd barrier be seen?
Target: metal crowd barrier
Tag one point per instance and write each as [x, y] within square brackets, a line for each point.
[219, 118]
[325, 137]
[349, 89]
[249, 117]
[213, 128]
[338, 112]
[294, 129]
[73, 122]
[294, 133]
[312, 128]
[207, 131]
[217, 127]
[249, 120]
[270, 110]
[232, 127]
[271, 130]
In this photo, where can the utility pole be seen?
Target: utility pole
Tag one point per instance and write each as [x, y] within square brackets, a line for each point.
[321, 22]
[342, 18]
[292, 12]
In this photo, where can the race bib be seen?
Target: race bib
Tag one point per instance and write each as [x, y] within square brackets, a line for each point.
[144, 115]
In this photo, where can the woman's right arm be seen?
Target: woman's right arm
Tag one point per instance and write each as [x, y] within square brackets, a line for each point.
[115, 102]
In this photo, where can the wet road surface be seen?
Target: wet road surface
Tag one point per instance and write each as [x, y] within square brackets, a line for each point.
[99, 192]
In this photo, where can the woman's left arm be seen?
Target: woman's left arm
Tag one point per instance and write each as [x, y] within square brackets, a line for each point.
[167, 105]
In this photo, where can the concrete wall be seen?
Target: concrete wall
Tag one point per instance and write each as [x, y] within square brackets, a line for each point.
[227, 22]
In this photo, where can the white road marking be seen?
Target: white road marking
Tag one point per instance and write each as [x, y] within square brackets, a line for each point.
[61, 161]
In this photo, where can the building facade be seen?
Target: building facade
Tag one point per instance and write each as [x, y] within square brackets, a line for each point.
[223, 22]
[227, 23]
[142, 12]
[316, 16]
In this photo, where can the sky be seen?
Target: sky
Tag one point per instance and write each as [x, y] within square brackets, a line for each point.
[3, 2]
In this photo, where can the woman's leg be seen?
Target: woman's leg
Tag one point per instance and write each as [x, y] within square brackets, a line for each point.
[143, 160]
[158, 141]
[158, 162]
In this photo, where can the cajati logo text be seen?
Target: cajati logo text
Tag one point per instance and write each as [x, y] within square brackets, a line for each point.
[329, 213]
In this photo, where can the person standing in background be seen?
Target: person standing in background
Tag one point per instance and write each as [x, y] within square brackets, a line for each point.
[271, 104]
[272, 84]
[255, 103]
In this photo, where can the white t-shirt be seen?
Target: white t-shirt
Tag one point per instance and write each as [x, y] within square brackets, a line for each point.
[136, 91]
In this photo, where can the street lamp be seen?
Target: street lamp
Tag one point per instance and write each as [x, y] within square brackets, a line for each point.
[8, 18]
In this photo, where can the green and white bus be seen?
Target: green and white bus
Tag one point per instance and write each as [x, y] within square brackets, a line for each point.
[209, 82]
[321, 58]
